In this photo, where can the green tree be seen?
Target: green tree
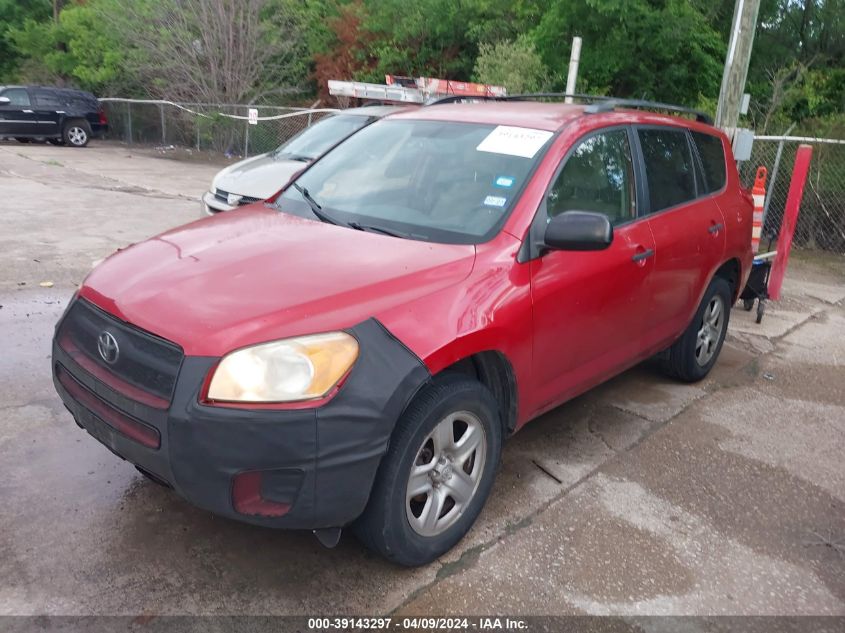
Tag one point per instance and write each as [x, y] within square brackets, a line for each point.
[13, 13]
[797, 70]
[78, 49]
[657, 49]
[513, 64]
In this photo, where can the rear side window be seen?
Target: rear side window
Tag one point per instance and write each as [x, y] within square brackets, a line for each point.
[47, 99]
[712, 155]
[668, 166]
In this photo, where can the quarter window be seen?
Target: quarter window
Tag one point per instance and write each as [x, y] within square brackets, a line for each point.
[668, 166]
[17, 97]
[712, 155]
[597, 176]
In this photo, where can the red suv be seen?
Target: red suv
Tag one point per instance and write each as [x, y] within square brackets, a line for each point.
[354, 351]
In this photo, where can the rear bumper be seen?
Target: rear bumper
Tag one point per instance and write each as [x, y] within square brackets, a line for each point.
[315, 466]
[98, 130]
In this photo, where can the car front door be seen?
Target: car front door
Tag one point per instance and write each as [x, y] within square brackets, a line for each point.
[590, 308]
[688, 228]
[17, 117]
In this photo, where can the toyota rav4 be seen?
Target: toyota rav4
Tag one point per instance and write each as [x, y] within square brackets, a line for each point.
[354, 351]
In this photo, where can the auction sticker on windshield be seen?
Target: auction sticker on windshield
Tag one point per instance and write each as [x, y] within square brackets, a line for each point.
[514, 141]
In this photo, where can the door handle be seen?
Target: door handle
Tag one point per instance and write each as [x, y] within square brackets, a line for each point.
[715, 228]
[643, 255]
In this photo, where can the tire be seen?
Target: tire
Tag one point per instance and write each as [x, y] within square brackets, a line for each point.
[76, 133]
[691, 359]
[747, 304]
[22, 139]
[55, 141]
[393, 523]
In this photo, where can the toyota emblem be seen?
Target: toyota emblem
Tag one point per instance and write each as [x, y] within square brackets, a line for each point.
[107, 346]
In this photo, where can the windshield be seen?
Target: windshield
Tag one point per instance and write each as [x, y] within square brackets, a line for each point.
[438, 181]
[314, 140]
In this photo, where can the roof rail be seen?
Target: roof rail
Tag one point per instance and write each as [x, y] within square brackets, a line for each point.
[611, 104]
[517, 97]
[597, 103]
[556, 95]
[456, 98]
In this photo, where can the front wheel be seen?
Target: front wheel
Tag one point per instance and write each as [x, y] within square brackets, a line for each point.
[693, 355]
[436, 475]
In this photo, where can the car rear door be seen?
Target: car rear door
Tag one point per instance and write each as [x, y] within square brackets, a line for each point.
[591, 308]
[687, 224]
[17, 117]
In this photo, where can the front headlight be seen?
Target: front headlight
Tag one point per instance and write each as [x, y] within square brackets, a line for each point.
[301, 368]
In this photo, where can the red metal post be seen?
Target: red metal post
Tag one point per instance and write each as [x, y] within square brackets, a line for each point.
[790, 219]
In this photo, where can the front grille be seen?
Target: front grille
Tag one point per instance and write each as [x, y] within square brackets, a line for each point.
[223, 196]
[146, 366]
[124, 424]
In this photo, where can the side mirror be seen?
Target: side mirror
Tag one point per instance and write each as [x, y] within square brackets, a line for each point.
[578, 231]
[5, 101]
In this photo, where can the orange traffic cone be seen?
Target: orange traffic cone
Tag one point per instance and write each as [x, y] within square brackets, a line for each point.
[759, 195]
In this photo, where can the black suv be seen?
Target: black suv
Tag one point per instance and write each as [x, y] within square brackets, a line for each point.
[59, 115]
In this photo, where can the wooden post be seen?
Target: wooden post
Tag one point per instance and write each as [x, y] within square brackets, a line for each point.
[736, 64]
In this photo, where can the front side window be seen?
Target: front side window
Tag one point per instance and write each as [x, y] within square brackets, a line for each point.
[17, 97]
[668, 167]
[438, 181]
[314, 140]
[712, 155]
[598, 177]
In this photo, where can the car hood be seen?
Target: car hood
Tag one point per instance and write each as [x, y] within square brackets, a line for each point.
[257, 177]
[256, 274]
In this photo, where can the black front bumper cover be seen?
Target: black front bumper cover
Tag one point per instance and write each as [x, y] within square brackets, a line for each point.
[322, 461]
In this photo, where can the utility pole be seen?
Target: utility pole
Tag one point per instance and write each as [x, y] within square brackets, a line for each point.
[736, 64]
[574, 59]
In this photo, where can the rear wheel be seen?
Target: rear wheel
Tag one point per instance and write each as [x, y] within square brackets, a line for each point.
[22, 139]
[693, 355]
[436, 475]
[76, 133]
[55, 141]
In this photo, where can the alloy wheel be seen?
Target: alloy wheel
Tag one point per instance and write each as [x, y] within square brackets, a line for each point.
[77, 136]
[710, 331]
[446, 473]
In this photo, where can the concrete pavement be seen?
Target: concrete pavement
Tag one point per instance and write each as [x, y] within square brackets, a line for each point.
[642, 496]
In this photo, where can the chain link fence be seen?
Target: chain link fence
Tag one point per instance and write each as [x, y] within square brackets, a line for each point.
[821, 220]
[215, 127]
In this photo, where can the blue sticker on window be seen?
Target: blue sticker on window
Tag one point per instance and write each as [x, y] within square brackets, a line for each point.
[504, 181]
[495, 201]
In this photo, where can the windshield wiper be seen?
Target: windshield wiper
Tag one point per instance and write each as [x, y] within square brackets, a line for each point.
[376, 229]
[298, 157]
[316, 209]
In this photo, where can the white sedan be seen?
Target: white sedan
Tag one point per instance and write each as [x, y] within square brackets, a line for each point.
[259, 177]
